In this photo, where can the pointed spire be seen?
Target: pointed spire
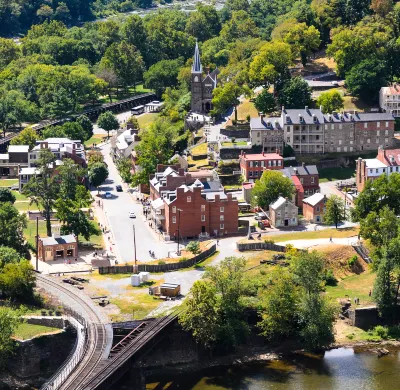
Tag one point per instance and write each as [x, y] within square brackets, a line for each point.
[196, 67]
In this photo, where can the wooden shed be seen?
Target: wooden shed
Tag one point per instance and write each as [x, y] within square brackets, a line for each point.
[170, 289]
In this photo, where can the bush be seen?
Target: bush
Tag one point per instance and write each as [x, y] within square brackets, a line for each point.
[352, 261]
[267, 241]
[381, 331]
[248, 117]
[161, 262]
[329, 278]
[182, 259]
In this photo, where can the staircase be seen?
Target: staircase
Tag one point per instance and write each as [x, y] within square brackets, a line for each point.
[362, 251]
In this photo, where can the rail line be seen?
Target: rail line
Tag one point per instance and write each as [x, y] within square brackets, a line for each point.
[96, 343]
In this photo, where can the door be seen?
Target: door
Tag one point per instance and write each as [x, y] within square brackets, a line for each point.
[286, 222]
[203, 229]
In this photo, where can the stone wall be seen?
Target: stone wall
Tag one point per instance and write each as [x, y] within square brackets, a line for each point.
[365, 317]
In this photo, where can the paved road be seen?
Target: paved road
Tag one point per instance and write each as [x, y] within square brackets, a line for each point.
[117, 209]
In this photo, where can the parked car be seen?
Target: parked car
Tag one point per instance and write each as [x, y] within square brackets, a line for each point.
[132, 215]
[118, 188]
[108, 195]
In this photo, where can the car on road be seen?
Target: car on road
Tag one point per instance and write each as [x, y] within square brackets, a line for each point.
[118, 188]
[132, 215]
[107, 195]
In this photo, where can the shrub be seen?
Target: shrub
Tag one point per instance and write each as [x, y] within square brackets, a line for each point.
[263, 272]
[329, 278]
[267, 241]
[182, 259]
[248, 117]
[352, 261]
[161, 262]
[381, 331]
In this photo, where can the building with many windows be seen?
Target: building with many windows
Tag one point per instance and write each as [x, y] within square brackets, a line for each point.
[283, 213]
[389, 99]
[253, 165]
[311, 131]
[314, 208]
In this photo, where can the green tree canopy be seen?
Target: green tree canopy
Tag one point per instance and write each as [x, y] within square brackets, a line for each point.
[86, 125]
[330, 101]
[8, 255]
[12, 225]
[98, 173]
[6, 195]
[27, 136]
[335, 211]
[270, 187]
[108, 122]
[226, 96]
[295, 93]
[265, 102]
[17, 280]
[9, 320]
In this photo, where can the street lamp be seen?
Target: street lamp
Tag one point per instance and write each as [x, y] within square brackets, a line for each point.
[179, 225]
[134, 245]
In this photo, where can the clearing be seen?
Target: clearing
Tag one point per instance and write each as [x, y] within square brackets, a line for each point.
[27, 331]
[246, 108]
[330, 174]
[146, 120]
[8, 182]
[95, 139]
[199, 149]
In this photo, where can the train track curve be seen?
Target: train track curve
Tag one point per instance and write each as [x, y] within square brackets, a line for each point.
[97, 342]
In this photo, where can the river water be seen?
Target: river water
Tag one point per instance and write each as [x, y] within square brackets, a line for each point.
[339, 369]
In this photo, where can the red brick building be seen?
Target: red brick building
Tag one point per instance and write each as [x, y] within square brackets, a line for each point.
[253, 165]
[191, 211]
[314, 208]
[170, 177]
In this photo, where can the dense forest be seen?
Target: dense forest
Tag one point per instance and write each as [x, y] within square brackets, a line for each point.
[56, 70]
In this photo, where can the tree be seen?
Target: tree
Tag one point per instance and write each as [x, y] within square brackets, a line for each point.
[110, 78]
[45, 12]
[335, 211]
[27, 136]
[17, 280]
[12, 225]
[124, 166]
[83, 198]
[98, 173]
[69, 175]
[278, 306]
[95, 156]
[365, 79]
[204, 23]
[108, 122]
[202, 306]
[317, 316]
[133, 32]
[295, 93]
[6, 195]
[265, 102]
[239, 26]
[194, 247]
[9, 51]
[9, 320]
[270, 187]
[86, 124]
[381, 7]
[8, 255]
[226, 96]
[161, 75]
[330, 101]
[43, 189]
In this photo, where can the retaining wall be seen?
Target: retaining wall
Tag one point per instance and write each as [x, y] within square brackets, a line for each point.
[258, 246]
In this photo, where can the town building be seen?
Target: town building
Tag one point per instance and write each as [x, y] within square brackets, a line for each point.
[283, 213]
[311, 131]
[15, 158]
[386, 162]
[123, 144]
[389, 99]
[58, 246]
[170, 177]
[253, 165]
[180, 160]
[189, 211]
[247, 189]
[314, 208]
[306, 180]
[202, 85]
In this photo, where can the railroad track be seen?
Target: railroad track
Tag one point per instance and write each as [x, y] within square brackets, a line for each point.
[96, 341]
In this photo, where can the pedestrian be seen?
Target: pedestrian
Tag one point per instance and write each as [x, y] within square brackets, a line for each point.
[355, 301]
[76, 260]
[330, 240]
[370, 293]
[358, 301]
[217, 242]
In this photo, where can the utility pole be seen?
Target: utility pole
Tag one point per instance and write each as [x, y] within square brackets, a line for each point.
[37, 243]
[134, 245]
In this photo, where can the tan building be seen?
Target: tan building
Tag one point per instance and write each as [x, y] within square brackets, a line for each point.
[310, 131]
[58, 247]
[389, 99]
[283, 213]
[314, 208]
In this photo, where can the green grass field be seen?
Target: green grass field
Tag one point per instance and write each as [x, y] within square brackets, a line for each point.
[8, 182]
[231, 144]
[24, 206]
[199, 149]
[27, 331]
[123, 95]
[330, 174]
[19, 196]
[147, 119]
[95, 139]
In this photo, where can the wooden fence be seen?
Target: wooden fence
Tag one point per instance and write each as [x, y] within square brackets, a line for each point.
[257, 246]
[129, 269]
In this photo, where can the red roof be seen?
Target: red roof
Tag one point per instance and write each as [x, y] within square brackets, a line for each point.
[248, 186]
[298, 185]
[391, 157]
[261, 157]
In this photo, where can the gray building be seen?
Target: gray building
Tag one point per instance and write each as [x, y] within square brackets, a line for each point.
[283, 213]
[202, 85]
[310, 131]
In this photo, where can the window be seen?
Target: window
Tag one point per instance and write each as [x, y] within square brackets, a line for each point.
[255, 174]
[340, 126]
[251, 164]
[221, 209]
[287, 140]
[365, 125]
[386, 140]
[221, 226]
[173, 209]
[189, 199]
[317, 137]
[340, 142]
[173, 219]
[312, 179]
[368, 140]
[378, 124]
[317, 209]
[258, 134]
[377, 141]
[376, 170]
[386, 132]
[301, 180]
[203, 208]
[279, 163]
[351, 134]
[251, 174]
[332, 126]
[203, 218]
[269, 163]
[351, 142]
[221, 217]
[387, 124]
[378, 132]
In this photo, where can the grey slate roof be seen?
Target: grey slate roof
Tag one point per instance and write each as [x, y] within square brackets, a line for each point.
[270, 123]
[67, 239]
[303, 116]
[301, 170]
[197, 67]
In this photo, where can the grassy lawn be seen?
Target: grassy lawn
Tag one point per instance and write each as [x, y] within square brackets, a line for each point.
[27, 331]
[197, 163]
[326, 233]
[329, 174]
[233, 186]
[24, 206]
[8, 182]
[138, 304]
[95, 139]
[146, 119]
[246, 108]
[30, 233]
[19, 196]
[122, 95]
[199, 149]
[354, 286]
[231, 144]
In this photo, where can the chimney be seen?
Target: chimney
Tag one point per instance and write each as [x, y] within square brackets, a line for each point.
[73, 149]
[283, 109]
[263, 153]
[207, 69]
[300, 118]
[278, 151]
[303, 164]
[244, 154]
[320, 108]
[241, 153]
[55, 231]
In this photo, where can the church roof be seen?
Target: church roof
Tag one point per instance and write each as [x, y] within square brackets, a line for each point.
[196, 67]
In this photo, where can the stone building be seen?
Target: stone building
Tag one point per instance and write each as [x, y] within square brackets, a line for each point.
[310, 131]
[386, 162]
[283, 213]
[202, 85]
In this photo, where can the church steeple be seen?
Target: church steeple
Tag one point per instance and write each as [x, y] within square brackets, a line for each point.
[197, 67]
